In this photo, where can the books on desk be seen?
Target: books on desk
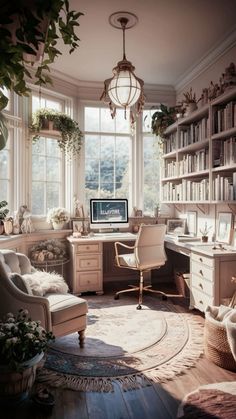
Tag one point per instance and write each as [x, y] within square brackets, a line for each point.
[182, 237]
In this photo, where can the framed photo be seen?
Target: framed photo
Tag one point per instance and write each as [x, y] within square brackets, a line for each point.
[176, 226]
[192, 223]
[224, 227]
[76, 226]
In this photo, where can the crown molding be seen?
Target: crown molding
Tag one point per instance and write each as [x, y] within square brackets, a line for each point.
[207, 60]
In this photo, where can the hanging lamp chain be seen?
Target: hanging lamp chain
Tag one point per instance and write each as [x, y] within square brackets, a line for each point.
[123, 22]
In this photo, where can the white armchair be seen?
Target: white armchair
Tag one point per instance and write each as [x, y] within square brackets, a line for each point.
[60, 313]
[148, 253]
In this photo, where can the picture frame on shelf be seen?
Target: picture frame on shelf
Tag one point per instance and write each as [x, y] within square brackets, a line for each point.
[77, 226]
[176, 226]
[224, 227]
[192, 222]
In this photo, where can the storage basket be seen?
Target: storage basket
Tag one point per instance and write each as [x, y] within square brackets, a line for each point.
[182, 283]
[216, 345]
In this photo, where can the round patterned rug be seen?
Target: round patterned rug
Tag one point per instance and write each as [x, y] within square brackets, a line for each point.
[135, 347]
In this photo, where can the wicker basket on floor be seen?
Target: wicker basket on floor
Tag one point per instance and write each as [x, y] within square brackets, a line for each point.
[216, 345]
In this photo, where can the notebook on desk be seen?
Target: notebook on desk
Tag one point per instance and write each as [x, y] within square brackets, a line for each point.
[182, 237]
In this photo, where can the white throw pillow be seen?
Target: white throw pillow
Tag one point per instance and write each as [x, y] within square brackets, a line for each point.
[41, 283]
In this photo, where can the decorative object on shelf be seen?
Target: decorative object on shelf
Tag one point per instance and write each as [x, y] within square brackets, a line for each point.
[213, 90]
[70, 140]
[229, 77]
[162, 118]
[205, 231]
[58, 217]
[22, 346]
[189, 102]
[48, 250]
[124, 89]
[16, 223]
[224, 227]
[3, 214]
[81, 227]
[8, 225]
[30, 31]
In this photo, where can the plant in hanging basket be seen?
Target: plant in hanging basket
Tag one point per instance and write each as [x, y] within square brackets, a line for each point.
[70, 139]
[162, 118]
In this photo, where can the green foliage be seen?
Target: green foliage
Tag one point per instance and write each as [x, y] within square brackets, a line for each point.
[71, 136]
[162, 118]
[24, 27]
[3, 212]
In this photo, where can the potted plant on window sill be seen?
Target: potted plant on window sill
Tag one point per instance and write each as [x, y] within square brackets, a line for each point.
[69, 135]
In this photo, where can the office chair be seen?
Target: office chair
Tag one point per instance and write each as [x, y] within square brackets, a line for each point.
[148, 253]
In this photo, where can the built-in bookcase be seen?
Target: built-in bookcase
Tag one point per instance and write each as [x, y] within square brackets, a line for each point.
[200, 154]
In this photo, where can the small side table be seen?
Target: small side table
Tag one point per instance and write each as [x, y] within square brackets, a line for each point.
[48, 264]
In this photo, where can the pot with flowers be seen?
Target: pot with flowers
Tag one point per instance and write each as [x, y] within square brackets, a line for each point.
[22, 346]
[205, 231]
[58, 217]
[189, 102]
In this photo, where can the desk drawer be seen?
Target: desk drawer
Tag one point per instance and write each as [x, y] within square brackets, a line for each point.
[88, 263]
[203, 260]
[89, 248]
[200, 300]
[202, 285]
[88, 281]
[202, 271]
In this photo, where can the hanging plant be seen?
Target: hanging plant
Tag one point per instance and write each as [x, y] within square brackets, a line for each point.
[162, 118]
[29, 30]
[70, 139]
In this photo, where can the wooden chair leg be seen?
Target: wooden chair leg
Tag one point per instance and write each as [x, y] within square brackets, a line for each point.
[81, 338]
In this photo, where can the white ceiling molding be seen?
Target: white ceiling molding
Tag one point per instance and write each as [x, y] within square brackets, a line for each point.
[207, 61]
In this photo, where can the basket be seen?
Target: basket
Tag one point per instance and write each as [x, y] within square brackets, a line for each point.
[182, 283]
[216, 345]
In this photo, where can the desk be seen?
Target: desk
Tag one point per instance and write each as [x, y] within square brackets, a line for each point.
[87, 260]
[211, 272]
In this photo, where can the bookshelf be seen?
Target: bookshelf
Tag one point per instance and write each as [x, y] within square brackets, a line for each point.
[199, 154]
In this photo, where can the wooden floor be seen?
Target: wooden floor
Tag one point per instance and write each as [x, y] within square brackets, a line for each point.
[159, 401]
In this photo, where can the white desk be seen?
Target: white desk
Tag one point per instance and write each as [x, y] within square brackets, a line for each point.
[87, 260]
[211, 272]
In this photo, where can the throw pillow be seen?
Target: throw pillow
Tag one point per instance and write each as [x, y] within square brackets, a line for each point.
[19, 282]
[41, 283]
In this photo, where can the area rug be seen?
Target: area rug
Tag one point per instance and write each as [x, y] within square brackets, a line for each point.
[133, 347]
[217, 400]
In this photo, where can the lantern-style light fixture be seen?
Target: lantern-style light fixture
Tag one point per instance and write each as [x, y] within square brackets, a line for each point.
[124, 89]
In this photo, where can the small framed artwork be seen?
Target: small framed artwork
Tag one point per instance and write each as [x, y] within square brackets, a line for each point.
[176, 226]
[192, 223]
[139, 213]
[77, 226]
[224, 227]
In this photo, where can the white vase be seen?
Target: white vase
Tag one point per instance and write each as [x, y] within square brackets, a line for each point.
[58, 226]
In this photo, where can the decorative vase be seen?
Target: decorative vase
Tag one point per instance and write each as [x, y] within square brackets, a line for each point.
[15, 385]
[190, 107]
[8, 227]
[204, 239]
[58, 226]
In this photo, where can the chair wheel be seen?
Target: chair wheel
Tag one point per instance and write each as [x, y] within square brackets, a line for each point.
[164, 297]
[116, 297]
[139, 307]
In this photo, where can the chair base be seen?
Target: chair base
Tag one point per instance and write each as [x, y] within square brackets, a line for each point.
[146, 288]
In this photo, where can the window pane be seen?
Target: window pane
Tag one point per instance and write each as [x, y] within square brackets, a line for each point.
[4, 164]
[107, 157]
[4, 188]
[91, 119]
[52, 195]
[37, 198]
[38, 146]
[53, 168]
[38, 168]
[151, 173]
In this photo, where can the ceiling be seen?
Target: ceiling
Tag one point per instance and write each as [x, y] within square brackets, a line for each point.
[171, 37]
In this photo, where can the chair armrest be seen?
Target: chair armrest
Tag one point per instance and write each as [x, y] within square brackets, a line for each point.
[117, 253]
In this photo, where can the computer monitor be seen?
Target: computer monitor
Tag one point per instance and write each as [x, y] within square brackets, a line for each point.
[109, 213]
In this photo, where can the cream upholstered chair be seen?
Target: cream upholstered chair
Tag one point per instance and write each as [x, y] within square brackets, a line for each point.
[60, 313]
[148, 253]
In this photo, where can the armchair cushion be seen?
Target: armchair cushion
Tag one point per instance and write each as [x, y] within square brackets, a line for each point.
[66, 307]
[41, 283]
[19, 282]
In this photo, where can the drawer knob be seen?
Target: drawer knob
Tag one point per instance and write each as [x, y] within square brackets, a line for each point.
[200, 285]
[200, 302]
[201, 273]
[87, 247]
[201, 260]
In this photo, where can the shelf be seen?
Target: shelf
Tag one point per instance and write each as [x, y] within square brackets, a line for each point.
[194, 175]
[224, 134]
[225, 97]
[223, 168]
[194, 116]
[170, 155]
[173, 127]
[194, 146]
